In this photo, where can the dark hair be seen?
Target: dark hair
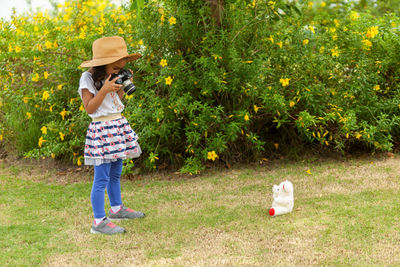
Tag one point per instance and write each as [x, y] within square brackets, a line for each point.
[99, 74]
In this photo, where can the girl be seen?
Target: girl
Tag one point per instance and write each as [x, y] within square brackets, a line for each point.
[109, 138]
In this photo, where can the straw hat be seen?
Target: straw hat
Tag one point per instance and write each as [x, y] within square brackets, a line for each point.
[108, 50]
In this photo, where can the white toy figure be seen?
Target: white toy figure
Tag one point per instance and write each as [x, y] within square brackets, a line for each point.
[283, 199]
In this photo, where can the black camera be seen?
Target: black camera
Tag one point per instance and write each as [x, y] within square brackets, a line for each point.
[124, 79]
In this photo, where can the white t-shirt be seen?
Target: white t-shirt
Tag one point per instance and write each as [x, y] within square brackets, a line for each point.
[111, 104]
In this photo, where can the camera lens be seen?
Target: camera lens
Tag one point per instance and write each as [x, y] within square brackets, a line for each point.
[129, 87]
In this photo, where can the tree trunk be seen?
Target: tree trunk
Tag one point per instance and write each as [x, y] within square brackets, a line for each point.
[217, 10]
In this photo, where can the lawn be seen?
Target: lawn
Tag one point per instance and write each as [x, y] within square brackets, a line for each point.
[346, 212]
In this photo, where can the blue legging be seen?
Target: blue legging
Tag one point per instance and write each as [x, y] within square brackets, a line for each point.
[106, 175]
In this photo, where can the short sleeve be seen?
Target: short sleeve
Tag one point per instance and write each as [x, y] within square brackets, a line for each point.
[86, 82]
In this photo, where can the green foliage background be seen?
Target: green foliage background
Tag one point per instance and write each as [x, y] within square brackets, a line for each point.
[225, 82]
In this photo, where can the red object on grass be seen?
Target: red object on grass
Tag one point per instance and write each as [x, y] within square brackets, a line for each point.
[271, 211]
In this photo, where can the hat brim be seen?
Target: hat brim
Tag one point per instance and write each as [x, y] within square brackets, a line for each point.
[108, 60]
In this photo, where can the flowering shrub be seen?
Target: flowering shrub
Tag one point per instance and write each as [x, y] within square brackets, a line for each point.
[41, 112]
[218, 82]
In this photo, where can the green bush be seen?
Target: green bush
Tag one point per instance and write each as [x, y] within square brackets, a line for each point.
[227, 81]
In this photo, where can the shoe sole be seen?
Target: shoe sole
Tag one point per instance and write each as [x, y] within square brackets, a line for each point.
[119, 219]
[92, 231]
[111, 219]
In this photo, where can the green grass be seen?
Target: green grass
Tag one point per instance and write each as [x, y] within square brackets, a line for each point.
[346, 213]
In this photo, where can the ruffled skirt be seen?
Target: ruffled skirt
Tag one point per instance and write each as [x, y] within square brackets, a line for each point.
[107, 141]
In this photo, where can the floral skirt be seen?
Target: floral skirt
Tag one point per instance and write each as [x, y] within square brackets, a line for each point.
[107, 141]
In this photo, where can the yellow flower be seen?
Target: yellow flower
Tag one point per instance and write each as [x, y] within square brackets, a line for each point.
[63, 113]
[216, 57]
[48, 45]
[162, 18]
[377, 87]
[82, 34]
[168, 80]
[311, 28]
[354, 15]
[323, 4]
[26, 99]
[100, 30]
[372, 32]
[46, 75]
[367, 43]
[45, 95]
[44, 130]
[291, 104]
[163, 62]
[305, 41]
[172, 21]
[308, 171]
[153, 158]
[61, 136]
[41, 141]
[28, 115]
[336, 21]
[335, 52]
[212, 155]
[78, 162]
[246, 117]
[280, 44]
[35, 77]
[81, 108]
[256, 108]
[271, 39]
[284, 82]
[60, 86]
[1, 137]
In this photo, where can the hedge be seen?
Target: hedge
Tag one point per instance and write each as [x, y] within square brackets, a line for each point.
[220, 81]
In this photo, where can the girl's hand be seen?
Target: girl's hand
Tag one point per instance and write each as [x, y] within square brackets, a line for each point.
[111, 86]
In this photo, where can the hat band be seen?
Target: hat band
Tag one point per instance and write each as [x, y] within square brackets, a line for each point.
[116, 56]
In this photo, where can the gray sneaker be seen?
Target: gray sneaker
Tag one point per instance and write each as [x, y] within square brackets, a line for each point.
[125, 213]
[106, 227]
